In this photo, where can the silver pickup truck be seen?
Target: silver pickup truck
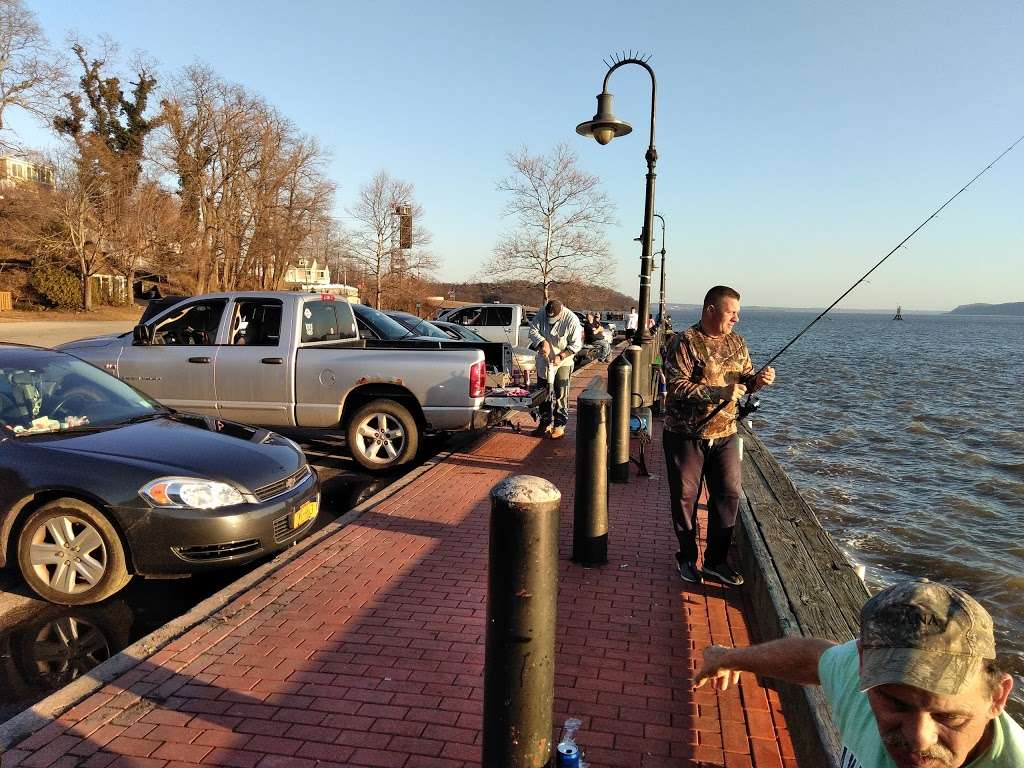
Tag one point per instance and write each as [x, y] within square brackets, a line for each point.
[282, 359]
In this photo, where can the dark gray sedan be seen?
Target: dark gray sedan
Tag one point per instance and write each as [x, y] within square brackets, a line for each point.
[99, 482]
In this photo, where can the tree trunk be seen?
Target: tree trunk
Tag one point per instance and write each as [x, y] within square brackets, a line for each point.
[86, 291]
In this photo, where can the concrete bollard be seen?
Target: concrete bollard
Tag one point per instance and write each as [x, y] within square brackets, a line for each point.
[522, 601]
[620, 383]
[590, 508]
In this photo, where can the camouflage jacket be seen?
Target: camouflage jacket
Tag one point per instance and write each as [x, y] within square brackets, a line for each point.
[697, 366]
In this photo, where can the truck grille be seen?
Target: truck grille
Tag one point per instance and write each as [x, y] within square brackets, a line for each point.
[284, 485]
[212, 552]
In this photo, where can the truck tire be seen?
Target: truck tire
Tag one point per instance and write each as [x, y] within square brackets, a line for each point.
[70, 554]
[382, 435]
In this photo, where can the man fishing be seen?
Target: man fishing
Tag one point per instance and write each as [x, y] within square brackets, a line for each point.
[707, 370]
[557, 335]
[920, 687]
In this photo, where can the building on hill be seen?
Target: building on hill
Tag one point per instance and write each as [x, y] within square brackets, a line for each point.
[306, 272]
[21, 170]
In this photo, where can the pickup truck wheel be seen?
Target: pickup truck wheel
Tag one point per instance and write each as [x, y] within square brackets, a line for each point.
[70, 554]
[383, 435]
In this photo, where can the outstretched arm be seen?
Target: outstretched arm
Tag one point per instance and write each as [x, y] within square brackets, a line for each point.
[793, 659]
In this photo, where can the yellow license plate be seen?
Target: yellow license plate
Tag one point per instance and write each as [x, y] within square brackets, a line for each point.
[303, 514]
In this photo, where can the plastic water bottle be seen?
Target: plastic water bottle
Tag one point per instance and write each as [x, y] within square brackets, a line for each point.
[567, 750]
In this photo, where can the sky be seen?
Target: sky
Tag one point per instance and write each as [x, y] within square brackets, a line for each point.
[798, 142]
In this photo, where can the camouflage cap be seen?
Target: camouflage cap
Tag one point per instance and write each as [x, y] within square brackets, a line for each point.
[924, 634]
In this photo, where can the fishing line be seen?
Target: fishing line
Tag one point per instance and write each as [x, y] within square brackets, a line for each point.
[718, 409]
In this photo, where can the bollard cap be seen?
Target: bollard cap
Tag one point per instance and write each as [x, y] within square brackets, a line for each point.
[594, 395]
[526, 489]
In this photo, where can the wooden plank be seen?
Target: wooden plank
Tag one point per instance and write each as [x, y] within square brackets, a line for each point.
[801, 583]
[847, 588]
[5, 301]
[811, 599]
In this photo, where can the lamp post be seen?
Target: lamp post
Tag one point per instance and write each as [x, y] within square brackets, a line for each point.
[604, 127]
[661, 297]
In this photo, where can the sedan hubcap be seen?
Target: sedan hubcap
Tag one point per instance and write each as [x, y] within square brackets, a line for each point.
[380, 438]
[68, 554]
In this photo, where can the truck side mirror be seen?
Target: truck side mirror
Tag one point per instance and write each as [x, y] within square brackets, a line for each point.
[142, 336]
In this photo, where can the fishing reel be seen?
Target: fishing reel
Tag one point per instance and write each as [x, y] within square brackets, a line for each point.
[749, 406]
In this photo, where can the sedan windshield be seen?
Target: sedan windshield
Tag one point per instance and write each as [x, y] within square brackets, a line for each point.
[381, 324]
[420, 327]
[456, 331]
[49, 393]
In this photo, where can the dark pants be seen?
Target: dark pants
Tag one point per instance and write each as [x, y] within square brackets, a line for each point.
[554, 408]
[688, 460]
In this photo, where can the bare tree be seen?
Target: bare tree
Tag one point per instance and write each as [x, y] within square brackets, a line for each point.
[63, 224]
[31, 75]
[375, 235]
[252, 187]
[560, 214]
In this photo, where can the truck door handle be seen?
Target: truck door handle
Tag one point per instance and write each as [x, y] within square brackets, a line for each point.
[272, 361]
[199, 359]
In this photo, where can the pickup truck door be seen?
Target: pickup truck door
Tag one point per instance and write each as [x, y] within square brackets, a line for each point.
[177, 368]
[253, 373]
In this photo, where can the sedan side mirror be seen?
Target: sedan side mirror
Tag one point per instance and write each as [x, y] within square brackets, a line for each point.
[142, 336]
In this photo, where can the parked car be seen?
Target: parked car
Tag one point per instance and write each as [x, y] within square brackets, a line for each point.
[523, 358]
[499, 355]
[289, 359]
[495, 322]
[98, 482]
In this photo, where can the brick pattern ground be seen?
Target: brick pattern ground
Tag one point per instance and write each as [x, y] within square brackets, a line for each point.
[368, 650]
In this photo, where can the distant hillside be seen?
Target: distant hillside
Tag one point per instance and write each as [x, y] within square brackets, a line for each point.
[1010, 308]
[575, 295]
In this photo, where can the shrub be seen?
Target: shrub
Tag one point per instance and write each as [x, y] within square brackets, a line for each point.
[59, 288]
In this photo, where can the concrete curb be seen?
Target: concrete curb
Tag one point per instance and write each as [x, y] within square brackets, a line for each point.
[49, 709]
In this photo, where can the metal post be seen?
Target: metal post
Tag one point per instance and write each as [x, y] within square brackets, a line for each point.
[590, 507]
[620, 387]
[522, 592]
[634, 354]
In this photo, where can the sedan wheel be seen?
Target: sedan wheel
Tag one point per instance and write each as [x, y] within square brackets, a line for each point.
[70, 554]
[382, 434]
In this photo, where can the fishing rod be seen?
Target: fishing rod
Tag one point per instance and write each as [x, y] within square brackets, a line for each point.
[752, 403]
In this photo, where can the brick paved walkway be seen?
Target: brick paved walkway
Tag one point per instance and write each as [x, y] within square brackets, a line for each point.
[368, 649]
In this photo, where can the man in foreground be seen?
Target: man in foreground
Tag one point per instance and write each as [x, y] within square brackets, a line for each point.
[918, 689]
[705, 366]
[557, 335]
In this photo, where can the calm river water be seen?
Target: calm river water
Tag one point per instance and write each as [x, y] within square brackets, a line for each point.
[907, 438]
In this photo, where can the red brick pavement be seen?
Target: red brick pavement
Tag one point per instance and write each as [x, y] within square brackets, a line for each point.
[368, 649]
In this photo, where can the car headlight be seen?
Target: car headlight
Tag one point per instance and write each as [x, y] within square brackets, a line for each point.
[192, 492]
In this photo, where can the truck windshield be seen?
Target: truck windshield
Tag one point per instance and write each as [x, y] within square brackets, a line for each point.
[58, 393]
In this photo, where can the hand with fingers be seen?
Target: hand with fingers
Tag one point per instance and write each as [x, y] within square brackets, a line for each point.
[716, 669]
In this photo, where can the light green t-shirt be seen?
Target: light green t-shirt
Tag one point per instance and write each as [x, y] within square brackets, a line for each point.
[839, 672]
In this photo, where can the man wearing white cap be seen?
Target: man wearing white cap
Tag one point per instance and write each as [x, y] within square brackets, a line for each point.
[918, 689]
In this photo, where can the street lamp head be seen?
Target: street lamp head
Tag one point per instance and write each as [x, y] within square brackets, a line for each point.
[604, 126]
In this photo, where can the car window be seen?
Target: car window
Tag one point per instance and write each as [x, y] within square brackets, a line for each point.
[498, 316]
[56, 393]
[319, 322]
[420, 327]
[194, 323]
[382, 325]
[256, 323]
[471, 316]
